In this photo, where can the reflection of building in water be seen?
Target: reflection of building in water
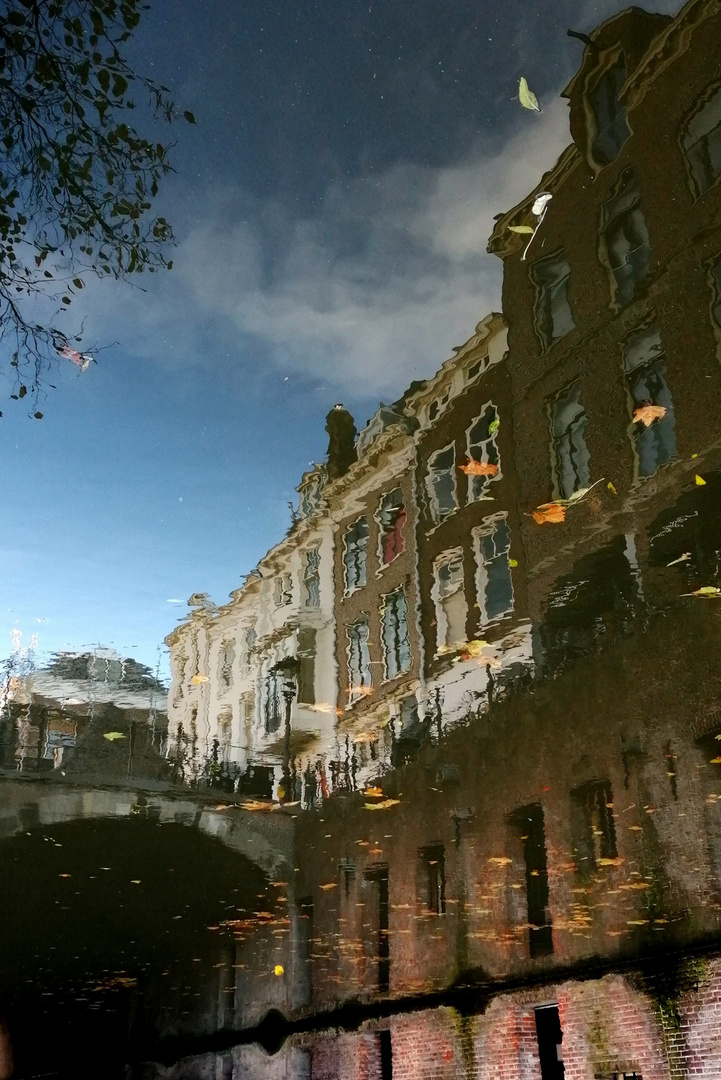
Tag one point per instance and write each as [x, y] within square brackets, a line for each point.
[553, 503]
[58, 716]
[344, 600]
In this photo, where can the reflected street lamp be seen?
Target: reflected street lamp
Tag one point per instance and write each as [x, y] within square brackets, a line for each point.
[288, 671]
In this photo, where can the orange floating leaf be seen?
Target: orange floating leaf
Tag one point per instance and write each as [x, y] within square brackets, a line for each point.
[329, 885]
[646, 414]
[549, 513]
[479, 468]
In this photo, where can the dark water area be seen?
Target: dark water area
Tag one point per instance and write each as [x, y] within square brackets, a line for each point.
[437, 792]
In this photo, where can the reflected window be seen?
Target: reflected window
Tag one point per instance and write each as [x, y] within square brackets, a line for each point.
[609, 114]
[311, 577]
[716, 301]
[441, 483]
[570, 454]
[355, 554]
[360, 679]
[627, 240]
[451, 608]
[225, 664]
[701, 141]
[394, 628]
[652, 404]
[494, 583]
[283, 590]
[529, 825]
[271, 706]
[593, 825]
[391, 519]
[432, 879]
[484, 459]
[306, 670]
[554, 318]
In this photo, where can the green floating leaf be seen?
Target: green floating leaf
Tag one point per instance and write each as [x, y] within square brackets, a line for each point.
[111, 736]
[527, 98]
[527, 229]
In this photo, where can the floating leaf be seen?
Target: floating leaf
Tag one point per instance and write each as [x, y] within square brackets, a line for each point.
[383, 805]
[540, 203]
[329, 885]
[189, 117]
[524, 229]
[549, 513]
[111, 736]
[611, 488]
[479, 468]
[526, 96]
[700, 482]
[278, 969]
[500, 860]
[375, 792]
[198, 680]
[682, 558]
[473, 648]
[716, 761]
[646, 414]
[705, 590]
[253, 804]
[494, 426]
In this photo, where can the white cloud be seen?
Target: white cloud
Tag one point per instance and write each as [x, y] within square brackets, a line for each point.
[374, 289]
[386, 277]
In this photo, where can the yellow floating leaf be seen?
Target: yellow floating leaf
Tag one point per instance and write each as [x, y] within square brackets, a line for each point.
[549, 513]
[135, 881]
[198, 680]
[705, 590]
[278, 969]
[525, 229]
[646, 414]
[716, 760]
[383, 805]
[700, 482]
[329, 885]
[513, 562]
[500, 860]
[611, 488]
[111, 736]
[526, 96]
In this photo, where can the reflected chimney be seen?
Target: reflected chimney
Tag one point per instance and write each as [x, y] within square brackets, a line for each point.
[341, 441]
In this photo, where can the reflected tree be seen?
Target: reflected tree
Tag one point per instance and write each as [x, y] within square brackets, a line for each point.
[77, 179]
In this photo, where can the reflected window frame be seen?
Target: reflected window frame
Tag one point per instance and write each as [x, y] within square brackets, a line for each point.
[701, 149]
[440, 510]
[623, 225]
[569, 453]
[604, 93]
[484, 451]
[355, 555]
[659, 437]
[448, 583]
[395, 641]
[553, 314]
[497, 530]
